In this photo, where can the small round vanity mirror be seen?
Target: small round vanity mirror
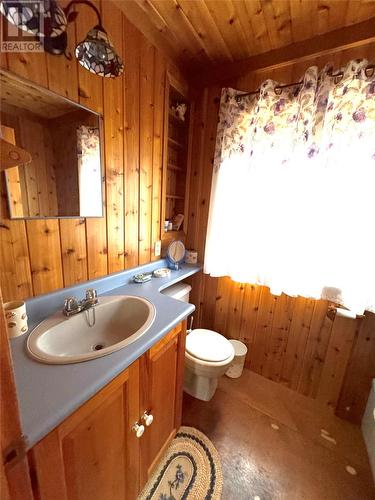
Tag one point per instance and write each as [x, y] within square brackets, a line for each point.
[176, 254]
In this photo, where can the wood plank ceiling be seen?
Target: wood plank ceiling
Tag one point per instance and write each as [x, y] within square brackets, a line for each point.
[199, 33]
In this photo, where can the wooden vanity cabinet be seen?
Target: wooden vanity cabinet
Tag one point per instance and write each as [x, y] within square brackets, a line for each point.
[161, 395]
[94, 453]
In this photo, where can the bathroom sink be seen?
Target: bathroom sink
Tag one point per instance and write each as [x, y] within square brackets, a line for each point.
[116, 321]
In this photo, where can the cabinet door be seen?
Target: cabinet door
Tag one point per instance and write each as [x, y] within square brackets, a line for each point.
[93, 453]
[161, 395]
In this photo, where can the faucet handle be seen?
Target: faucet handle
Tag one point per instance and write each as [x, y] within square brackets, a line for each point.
[70, 304]
[92, 295]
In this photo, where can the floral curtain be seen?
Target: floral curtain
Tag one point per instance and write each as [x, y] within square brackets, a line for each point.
[293, 189]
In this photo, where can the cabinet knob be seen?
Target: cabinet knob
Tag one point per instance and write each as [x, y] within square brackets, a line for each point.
[138, 429]
[147, 418]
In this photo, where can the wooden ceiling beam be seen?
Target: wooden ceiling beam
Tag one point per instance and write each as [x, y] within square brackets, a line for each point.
[334, 41]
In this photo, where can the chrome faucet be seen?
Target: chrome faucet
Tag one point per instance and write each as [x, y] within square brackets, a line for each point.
[74, 306]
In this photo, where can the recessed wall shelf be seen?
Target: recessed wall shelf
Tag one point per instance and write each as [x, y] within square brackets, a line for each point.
[176, 160]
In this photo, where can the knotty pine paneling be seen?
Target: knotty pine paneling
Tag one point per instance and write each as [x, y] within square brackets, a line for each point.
[114, 149]
[203, 35]
[359, 374]
[73, 250]
[14, 255]
[41, 255]
[145, 149]
[43, 238]
[132, 42]
[63, 74]
[290, 340]
[157, 153]
[91, 94]
[36, 185]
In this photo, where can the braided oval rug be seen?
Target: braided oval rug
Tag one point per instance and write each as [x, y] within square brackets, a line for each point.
[190, 469]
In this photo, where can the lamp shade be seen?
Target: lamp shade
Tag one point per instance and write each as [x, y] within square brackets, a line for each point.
[97, 54]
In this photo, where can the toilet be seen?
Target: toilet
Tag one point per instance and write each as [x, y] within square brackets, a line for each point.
[208, 354]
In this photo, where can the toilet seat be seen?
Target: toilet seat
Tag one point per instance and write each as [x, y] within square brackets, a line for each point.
[208, 346]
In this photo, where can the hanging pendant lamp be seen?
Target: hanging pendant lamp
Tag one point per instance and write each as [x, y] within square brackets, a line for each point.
[96, 53]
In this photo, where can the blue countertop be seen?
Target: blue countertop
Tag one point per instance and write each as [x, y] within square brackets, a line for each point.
[48, 394]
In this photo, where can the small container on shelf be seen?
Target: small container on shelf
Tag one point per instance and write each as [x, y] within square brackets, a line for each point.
[177, 222]
[178, 110]
[191, 257]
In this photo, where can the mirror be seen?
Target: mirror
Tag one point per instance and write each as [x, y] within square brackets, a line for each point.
[64, 177]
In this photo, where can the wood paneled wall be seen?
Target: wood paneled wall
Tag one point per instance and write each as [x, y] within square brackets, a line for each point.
[37, 256]
[33, 188]
[290, 340]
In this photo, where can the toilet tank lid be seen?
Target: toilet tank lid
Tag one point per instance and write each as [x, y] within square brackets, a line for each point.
[208, 345]
[177, 291]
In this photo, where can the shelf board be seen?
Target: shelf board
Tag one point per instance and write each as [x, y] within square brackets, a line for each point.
[173, 235]
[170, 166]
[175, 144]
[175, 197]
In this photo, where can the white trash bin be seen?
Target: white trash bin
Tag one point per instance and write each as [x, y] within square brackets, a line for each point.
[236, 367]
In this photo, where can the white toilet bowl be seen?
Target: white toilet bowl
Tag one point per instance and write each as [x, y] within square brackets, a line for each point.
[208, 354]
[207, 357]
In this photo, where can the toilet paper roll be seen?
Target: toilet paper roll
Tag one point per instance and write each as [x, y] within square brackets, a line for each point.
[16, 318]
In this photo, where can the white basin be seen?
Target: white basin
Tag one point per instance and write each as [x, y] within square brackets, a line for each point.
[119, 321]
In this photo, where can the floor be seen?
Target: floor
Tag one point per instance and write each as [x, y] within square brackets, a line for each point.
[271, 443]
